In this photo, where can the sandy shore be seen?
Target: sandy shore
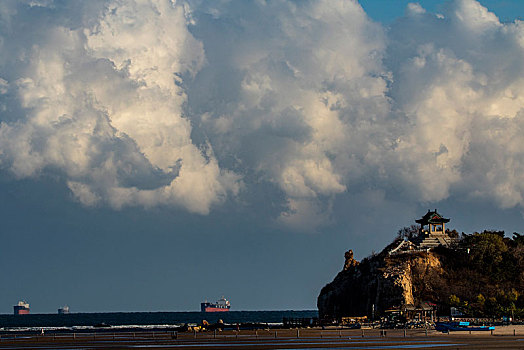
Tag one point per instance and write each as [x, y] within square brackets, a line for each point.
[508, 330]
[502, 338]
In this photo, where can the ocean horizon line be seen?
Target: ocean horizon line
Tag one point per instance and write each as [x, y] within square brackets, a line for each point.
[156, 311]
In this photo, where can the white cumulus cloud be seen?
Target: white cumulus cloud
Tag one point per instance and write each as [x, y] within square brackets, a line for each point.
[191, 104]
[102, 103]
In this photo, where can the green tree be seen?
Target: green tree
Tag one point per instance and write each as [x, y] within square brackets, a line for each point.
[492, 307]
[454, 300]
[478, 306]
[487, 251]
[518, 238]
[408, 232]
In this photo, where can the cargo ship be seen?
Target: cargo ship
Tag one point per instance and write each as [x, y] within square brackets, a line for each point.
[63, 310]
[221, 305]
[22, 308]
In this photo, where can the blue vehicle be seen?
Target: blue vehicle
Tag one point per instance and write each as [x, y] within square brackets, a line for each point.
[446, 327]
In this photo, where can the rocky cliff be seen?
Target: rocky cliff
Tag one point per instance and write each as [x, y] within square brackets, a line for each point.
[482, 275]
[380, 282]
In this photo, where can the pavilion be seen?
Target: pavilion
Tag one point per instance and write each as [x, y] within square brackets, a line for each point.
[432, 231]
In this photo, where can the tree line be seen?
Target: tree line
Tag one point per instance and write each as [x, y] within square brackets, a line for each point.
[482, 275]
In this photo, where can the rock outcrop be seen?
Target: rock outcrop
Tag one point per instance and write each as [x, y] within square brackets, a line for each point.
[379, 283]
[350, 261]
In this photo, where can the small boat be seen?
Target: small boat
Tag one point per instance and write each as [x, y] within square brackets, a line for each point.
[460, 326]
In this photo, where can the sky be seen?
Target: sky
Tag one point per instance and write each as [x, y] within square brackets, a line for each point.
[156, 153]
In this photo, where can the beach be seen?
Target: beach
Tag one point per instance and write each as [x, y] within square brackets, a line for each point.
[309, 338]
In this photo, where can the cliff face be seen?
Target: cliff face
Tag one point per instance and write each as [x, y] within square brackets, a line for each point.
[482, 275]
[383, 281]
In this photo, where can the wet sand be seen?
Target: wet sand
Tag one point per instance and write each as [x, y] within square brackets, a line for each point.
[502, 338]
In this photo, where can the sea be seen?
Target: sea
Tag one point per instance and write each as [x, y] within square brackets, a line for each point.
[144, 320]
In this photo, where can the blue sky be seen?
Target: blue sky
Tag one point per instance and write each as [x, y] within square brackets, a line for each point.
[386, 11]
[155, 155]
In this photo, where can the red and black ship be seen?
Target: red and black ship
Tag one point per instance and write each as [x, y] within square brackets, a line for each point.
[221, 305]
[22, 308]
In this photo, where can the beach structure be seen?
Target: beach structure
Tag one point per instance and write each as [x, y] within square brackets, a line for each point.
[422, 312]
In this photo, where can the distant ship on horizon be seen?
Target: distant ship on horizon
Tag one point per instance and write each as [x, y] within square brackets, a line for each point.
[22, 308]
[222, 305]
[63, 310]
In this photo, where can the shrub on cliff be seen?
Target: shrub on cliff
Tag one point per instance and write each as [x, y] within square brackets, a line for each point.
[486, 274]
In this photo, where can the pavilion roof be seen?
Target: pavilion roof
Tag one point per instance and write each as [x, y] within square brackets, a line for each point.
[432, 217]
